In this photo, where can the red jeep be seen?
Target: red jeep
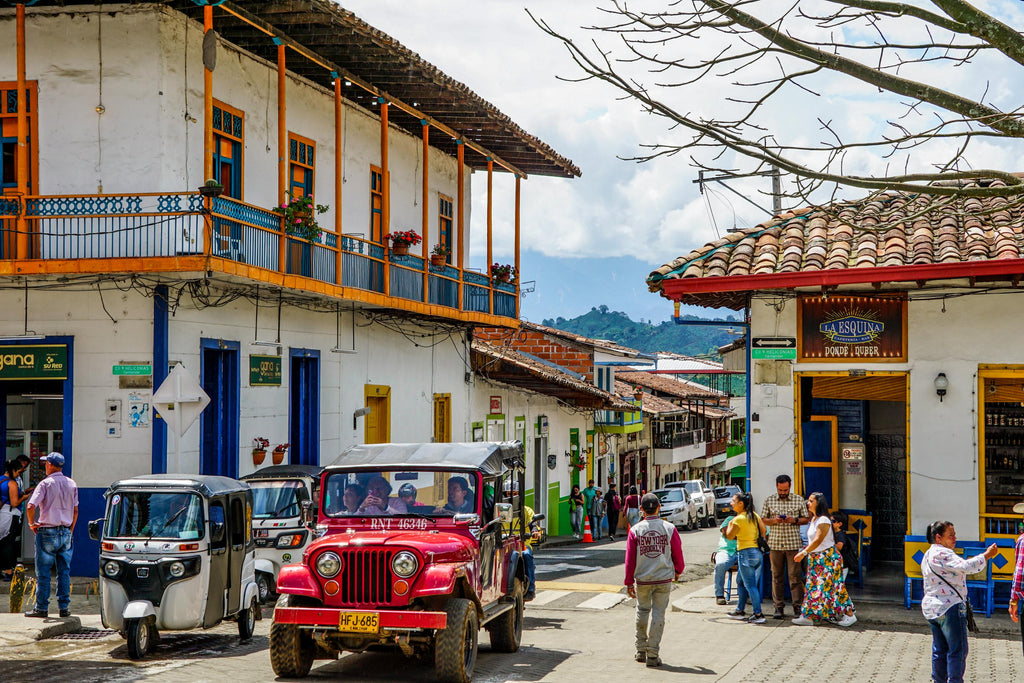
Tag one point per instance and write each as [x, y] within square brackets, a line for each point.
[417, 554]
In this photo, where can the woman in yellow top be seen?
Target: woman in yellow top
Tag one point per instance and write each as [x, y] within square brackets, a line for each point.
[745, 528]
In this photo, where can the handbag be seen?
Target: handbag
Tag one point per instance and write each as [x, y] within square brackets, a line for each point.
[972, 625]
[762, 542]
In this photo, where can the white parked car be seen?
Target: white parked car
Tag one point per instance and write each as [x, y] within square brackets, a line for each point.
[703, 498]
[677, 507]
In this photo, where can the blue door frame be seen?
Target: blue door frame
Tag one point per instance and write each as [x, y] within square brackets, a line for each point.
[304, 406]
[219, 377]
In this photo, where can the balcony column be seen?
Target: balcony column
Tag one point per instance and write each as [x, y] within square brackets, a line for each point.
[22, 241]
[490, 226]
[339, 169]
[282, 152]
[426, 210]
[460, 198]
[518, 271]
[385, 180]
[207, 101]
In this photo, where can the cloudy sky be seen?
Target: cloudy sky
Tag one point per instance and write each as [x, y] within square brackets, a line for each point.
[592, 240]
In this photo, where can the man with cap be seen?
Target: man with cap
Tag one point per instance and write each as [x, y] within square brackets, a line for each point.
[52, 513]
[654, 559]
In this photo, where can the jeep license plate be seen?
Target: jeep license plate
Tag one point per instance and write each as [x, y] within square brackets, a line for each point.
[359, 622]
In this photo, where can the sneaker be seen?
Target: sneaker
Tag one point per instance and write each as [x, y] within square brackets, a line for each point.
[848, 620]
[737, 614]
[720, 600]
[65, 612]
[803, 621]
[530, 595]
[653, 662]
[640, 657]
[779, 614]
[756, 619]
[37, 613]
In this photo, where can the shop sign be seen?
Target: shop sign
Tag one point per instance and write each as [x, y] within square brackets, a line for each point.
[496, 405]
[265, 371]
[852, 328]
[137, 369]
[34, 362]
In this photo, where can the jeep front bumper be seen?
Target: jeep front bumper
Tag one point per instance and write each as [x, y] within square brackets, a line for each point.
[389, 620]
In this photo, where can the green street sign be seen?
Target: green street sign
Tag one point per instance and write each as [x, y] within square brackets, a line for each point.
[773, 354]
[139, 369]
[34, 362]
[265, 371]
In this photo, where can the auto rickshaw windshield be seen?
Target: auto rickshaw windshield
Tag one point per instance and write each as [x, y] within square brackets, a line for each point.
[277, 499]
[155, 514]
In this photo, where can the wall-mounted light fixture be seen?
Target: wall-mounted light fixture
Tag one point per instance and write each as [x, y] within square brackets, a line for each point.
[941, 385]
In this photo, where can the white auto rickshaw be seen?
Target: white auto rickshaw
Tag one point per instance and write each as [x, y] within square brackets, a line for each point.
[284, 515]
[176, 553]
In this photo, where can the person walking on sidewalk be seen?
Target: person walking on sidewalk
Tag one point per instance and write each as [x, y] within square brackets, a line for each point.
[632, 503]
[725, 559]
[612, 506]
[1017, 587]
[52, 514]
[745, 528]
[825, 596]
[654, 558]
[945, 587]
[576, 503]
[11, 498]
[784, 512]
[596, 514]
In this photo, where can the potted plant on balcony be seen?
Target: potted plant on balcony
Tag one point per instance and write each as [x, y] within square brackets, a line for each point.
[402, 240]
[259, 450]
[503, 272]
[300, 216]
[439, 255]
[280, 450]
[638, 392]
[211, 188]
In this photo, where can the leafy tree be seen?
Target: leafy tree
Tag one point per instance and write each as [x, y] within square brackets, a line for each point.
[767, 52]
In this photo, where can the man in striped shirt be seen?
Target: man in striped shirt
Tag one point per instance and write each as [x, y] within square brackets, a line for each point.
[783, 512]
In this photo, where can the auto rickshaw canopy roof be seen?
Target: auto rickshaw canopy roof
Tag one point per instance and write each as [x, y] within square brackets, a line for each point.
[205, 484]
[285, 472]
[486, 457]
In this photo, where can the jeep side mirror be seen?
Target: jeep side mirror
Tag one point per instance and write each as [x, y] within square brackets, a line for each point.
[504, 511]
[217, 532]
[95, 527]
[466, 519]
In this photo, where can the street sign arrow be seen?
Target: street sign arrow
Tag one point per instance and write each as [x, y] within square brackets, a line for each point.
[180, 399]
[773, 342]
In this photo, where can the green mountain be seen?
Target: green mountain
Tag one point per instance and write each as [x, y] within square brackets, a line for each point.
[616, 326]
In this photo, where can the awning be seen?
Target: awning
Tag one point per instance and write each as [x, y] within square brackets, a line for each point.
[738, 472]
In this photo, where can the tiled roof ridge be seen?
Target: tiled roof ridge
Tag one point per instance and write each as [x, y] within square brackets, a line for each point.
[443, 79]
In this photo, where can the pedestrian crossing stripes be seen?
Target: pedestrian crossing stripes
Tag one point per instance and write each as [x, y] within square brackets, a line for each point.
[544, 597]
[566, 599]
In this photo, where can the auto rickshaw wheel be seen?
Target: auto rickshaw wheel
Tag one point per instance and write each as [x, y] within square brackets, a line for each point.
[291, 649]
[139, 633]
[456, 645]
[507, 630]
[266, 591]
[247, 620]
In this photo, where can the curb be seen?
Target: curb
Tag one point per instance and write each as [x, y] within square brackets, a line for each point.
[65, 625]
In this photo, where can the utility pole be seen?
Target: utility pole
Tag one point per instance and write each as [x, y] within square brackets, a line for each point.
[776, 177]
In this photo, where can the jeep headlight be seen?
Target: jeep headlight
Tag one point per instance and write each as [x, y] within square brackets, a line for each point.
[176, 570]
[111, 569]
[328, 564]
[405, 564]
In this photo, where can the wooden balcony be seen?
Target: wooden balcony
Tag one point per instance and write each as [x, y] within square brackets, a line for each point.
[184, 232]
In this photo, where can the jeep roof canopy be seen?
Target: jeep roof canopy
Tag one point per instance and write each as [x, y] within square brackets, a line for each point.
[487, 457]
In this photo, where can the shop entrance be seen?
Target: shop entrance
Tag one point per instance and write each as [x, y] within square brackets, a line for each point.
[853, 448]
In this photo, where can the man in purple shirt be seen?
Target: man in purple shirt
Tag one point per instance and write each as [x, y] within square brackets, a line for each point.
[52, 513]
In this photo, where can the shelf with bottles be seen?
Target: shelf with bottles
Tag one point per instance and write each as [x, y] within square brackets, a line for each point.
[1001, 415]
[1004, 461]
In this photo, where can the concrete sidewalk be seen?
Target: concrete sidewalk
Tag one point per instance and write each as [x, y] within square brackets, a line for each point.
[17, 629]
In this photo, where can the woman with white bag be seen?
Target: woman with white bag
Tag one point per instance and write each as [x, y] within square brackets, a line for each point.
[11, 498]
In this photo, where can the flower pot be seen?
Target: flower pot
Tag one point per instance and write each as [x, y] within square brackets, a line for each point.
[400, 248]
[438, 260]
[211, 190]
[279, 456]
[258, 456]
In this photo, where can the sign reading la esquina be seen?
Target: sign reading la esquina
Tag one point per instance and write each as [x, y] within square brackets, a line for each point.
[853, 328]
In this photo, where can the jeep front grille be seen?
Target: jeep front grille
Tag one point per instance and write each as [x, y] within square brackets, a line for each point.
[366, 577]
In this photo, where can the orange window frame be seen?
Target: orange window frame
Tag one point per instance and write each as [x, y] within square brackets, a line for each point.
[302, 156]
[445, 223]
[9, 128]
[226, 136]
[376, 204]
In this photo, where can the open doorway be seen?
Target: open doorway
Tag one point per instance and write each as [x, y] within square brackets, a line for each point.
[853, 448]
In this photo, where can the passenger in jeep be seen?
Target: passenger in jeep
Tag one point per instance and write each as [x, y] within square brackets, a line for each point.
[352, 499]
[460, 498]
[407, 494]
[378, 502]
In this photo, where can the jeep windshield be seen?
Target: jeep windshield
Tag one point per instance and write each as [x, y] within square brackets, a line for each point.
[145, 514]
[388, 493]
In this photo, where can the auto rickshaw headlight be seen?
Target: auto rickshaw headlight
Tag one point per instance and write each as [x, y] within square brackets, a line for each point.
[405, 564]
[176, 570]
[328, 564]
[289, 540]
[111, 569]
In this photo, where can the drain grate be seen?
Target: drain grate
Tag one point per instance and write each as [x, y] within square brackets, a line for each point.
[91, 634]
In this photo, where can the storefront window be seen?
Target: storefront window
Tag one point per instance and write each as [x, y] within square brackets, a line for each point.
[1003, 454]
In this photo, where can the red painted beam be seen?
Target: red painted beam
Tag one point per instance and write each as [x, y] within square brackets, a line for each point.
[676, 288]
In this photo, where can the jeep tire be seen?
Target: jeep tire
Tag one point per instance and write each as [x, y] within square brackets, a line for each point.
[507, 630]
[456, 646]
[291, 648]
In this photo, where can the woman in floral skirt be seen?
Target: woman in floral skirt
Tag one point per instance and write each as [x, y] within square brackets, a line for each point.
[825, 596]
